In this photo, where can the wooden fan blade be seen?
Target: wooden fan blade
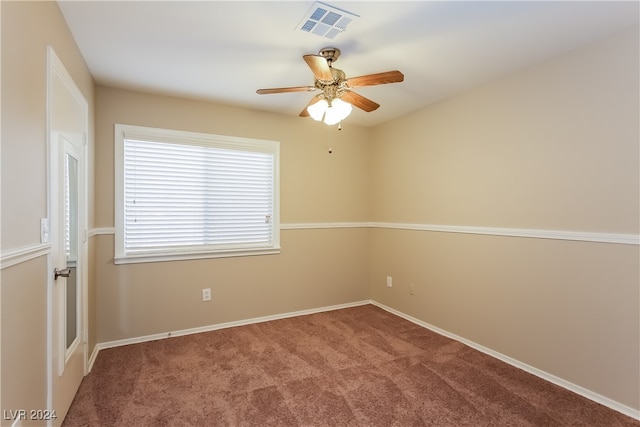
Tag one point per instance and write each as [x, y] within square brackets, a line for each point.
[286, 89]
[359, 101]
[376, 79]
[319, 66]
[305, 113]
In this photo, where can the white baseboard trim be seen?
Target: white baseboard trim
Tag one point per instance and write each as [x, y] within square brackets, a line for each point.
[154, 337]
[616, 406]
[92, 358]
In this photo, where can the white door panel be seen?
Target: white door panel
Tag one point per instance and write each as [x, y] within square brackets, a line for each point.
[67, 353]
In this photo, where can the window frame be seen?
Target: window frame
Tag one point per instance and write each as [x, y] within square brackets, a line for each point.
[123, 132]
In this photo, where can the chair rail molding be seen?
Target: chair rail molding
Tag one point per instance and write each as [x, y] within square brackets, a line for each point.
[532, 233]
[16, 256]
[582, 236]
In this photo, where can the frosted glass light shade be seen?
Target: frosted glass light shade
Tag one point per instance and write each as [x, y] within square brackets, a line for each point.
[331, 115]
[316, 111]
[338, 111]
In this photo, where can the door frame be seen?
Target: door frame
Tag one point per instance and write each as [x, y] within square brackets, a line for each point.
[56, 70]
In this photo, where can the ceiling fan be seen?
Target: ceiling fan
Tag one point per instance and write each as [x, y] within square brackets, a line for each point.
[336, 98]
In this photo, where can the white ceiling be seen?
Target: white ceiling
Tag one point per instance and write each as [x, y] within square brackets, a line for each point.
[224, 50]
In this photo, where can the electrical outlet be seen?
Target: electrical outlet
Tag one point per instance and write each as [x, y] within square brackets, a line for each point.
[206, 294]
[389, 281]
[412, 289]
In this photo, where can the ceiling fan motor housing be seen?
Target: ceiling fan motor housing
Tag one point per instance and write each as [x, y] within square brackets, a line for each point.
[332, 89]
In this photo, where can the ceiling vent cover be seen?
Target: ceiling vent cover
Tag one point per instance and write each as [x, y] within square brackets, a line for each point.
[325, 21]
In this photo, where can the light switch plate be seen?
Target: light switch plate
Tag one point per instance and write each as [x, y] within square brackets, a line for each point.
[44, 230]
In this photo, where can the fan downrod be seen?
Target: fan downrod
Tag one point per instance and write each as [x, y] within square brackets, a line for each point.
[331, 54]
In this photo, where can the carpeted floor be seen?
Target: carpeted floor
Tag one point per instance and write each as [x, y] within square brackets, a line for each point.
[359, 366]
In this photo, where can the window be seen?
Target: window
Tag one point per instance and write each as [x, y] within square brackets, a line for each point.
[185, 195]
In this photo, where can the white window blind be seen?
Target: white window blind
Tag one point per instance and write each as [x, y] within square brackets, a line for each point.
[186, 193]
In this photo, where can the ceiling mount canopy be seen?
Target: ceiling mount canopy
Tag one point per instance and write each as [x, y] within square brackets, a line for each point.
[331, 54]
[336, 99]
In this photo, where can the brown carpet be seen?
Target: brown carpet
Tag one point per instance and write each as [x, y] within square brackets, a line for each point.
[359, 366]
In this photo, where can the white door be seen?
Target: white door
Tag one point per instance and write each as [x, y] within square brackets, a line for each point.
[67, 118]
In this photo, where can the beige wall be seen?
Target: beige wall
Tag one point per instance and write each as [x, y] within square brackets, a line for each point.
[554, 147]
[24, 336]
[27, 29]
[316, 268]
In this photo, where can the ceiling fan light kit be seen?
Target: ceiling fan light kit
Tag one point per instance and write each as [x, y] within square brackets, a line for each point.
[335, 101]
[329, 114]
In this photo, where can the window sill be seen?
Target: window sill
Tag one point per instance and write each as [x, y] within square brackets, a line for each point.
[136, 259]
